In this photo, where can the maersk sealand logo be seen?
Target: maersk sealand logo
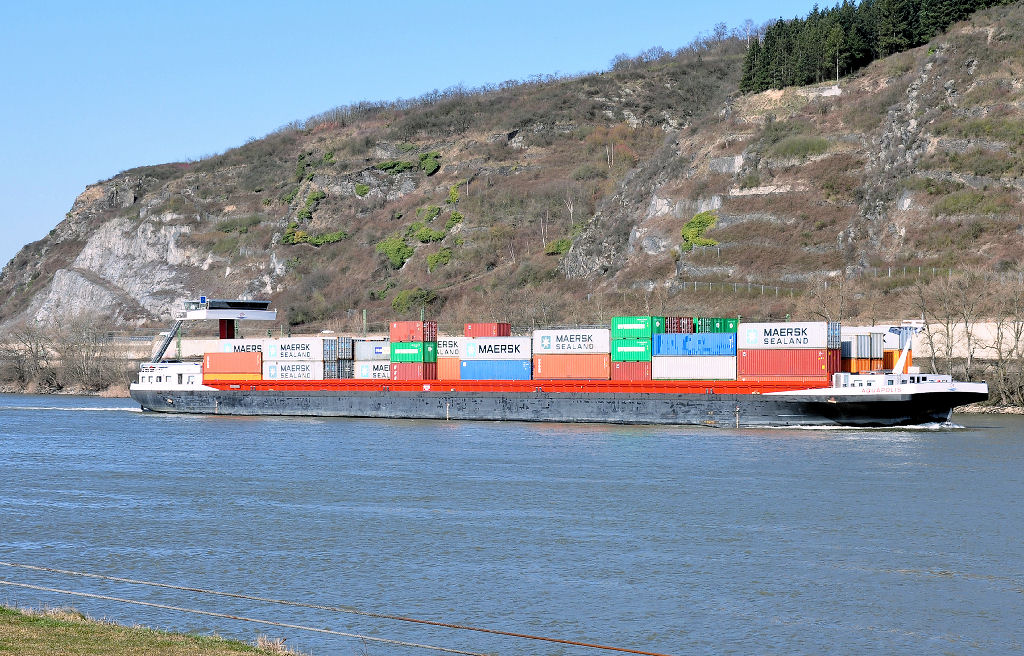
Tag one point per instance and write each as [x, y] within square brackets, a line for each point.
[751, 336]
[545, 343]
[471, 349]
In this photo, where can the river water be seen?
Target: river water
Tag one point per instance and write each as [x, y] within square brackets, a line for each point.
[675, 540]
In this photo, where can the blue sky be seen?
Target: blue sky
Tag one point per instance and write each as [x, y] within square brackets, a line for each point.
[92, 89]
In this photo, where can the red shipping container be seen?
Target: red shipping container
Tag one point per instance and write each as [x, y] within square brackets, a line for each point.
[631, 371]
[413, 371]
[835, 361]
[781, 362]
[449, 369]
[574, 366]
[413, 331]
[678, 324]
[488, 330]
[241, 362]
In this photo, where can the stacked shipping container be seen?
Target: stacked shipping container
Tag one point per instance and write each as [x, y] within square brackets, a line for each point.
[787, 351]
[631, 346]
[694, 356]
[635, 348]
[572, 354]
[413, 350]
[495, 358]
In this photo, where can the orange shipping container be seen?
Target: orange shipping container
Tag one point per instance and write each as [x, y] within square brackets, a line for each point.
[209, 376]
[575, 366]
[241, 362]
[889, 358]
[449, 369]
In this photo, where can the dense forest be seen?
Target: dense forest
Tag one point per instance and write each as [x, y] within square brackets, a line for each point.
[837, 41]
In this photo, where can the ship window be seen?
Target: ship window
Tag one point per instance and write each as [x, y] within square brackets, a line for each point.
[180, 376]
[159, 379]
[889, 382]
[191, 380]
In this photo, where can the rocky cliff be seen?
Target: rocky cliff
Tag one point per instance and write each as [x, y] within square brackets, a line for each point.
[565, 200]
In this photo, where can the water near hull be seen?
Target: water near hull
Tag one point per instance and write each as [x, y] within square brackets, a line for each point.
[675, 540]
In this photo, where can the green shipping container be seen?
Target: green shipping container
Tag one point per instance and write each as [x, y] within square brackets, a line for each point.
[715, 325]
[631, 350]
[414, 351]
[636, 328]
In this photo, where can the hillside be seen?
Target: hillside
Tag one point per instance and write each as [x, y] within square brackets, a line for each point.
[566, 200]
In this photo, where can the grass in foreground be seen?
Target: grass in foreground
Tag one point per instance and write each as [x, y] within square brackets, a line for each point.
[68, 632]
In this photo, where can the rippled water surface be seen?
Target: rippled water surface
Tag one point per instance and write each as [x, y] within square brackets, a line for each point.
[671, 540]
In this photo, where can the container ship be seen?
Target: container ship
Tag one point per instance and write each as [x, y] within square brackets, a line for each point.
[706, 371]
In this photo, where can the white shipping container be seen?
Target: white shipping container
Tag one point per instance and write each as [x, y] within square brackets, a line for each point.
[496, 348]
[293, 370]
[238, 345]
[450, 347]
[372, 369]
[783, 335]
[294, 348]
[371, 349]
[693, 367]
[578, 340]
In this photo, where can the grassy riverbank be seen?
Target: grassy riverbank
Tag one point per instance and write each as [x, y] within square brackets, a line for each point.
[69, 633]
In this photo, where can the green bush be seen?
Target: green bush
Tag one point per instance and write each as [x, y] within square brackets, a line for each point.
[305, 214]
[406, 147]
[429, 163]
[395, 249]
[428, 213]
[410, 298]
[292, 235]
[453, 194]
[440, 258]
[799, 146]
[240, 225]
[425, 235]
[362, 189]
[396, 166]
[328, 238]
[693, 231]
[290, 196]
[558, 247]
[328, 158]
[453, 220]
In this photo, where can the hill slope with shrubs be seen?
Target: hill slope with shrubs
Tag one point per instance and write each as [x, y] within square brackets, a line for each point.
[653, 187]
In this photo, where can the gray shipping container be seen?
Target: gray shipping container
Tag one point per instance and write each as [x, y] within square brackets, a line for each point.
[862, 347]
[371, 349]
[877, 345]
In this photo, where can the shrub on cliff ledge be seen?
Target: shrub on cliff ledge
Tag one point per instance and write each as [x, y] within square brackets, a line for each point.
[395, 249]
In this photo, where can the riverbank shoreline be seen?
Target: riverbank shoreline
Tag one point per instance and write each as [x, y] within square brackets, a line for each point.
[31, 632]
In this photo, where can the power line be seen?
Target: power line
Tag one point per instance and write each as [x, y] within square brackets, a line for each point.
[240, 618]
[338, 609]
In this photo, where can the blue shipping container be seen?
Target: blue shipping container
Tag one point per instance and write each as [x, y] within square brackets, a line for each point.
[496, 369]
[695, 344]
